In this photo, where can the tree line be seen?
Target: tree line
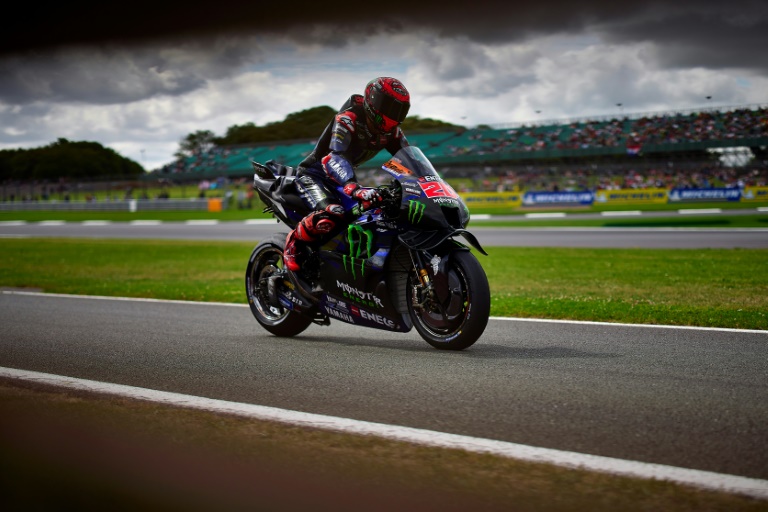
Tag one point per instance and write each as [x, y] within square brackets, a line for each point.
[86, 160]
[66, 159]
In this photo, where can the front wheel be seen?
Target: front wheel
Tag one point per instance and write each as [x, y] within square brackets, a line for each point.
[266, 260]
[458, 320]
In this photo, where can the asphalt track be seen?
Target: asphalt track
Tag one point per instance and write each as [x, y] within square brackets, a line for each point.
[681, 397]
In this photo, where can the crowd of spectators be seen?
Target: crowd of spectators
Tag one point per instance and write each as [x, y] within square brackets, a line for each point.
[619, 177]
[631, 134]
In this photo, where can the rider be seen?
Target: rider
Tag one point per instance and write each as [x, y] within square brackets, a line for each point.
[365, 125]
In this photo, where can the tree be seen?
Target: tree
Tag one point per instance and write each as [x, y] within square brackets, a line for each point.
[65, 159]
[196, 143]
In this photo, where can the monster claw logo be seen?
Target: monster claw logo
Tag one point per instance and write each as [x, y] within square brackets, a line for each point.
[360, 244]
[415, 211]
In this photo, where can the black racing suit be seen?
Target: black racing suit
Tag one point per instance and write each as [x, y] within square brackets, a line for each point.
[346, 143]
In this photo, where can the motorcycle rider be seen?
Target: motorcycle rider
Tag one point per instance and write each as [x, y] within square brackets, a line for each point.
[364, 125]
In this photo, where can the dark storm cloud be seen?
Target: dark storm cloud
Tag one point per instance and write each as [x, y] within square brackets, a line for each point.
[109, 74]
[86, 50]
[706, 30]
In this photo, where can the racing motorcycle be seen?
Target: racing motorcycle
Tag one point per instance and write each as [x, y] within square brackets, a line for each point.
[395, 267]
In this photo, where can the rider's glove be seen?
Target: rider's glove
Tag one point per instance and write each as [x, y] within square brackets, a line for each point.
[368, 197]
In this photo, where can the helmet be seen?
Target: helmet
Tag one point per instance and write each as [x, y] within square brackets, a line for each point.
[386, 103]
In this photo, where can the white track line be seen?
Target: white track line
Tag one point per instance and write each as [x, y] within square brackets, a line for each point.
[621, 213]
[502, 318]
[202, 222]
[701, 479]
[617, 324]
[553, 215]
[694, 211]
[260, 221]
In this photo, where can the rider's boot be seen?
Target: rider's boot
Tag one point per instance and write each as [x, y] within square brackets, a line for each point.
[308, 230]
[292, 251]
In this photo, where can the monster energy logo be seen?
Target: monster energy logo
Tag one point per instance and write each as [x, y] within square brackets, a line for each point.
[415, 211]
[360, 243]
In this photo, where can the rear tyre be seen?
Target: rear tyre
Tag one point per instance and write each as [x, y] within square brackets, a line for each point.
[456, 322]
[267, 259]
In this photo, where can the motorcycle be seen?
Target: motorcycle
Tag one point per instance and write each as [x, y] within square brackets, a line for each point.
[395, 267]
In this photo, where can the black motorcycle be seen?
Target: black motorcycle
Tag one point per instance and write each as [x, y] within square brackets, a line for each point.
[394, 267]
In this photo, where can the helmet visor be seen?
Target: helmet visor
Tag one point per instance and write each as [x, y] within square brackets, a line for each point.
[390, 107]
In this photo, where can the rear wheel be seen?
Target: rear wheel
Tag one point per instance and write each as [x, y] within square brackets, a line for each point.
[266, 260]
[458, 320]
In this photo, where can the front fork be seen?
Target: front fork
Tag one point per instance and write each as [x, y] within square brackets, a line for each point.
[423, 294]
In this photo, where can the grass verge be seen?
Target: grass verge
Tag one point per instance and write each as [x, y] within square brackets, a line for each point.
[710, 287]
[73, 450]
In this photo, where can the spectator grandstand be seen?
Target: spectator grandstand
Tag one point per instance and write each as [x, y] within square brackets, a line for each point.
[669, 149]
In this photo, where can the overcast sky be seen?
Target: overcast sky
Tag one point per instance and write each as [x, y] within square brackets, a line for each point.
[138, 81]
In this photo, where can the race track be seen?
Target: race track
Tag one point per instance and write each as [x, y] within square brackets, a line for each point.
[754, 238]
[681, 397]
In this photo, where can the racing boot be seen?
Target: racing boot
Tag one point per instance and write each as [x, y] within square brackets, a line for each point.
[292, 252]
[311, 228]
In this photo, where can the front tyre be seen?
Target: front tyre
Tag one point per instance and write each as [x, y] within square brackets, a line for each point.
[458, 320]
[267, 259]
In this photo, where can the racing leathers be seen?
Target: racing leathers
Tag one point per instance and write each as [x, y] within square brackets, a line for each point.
[348, 141]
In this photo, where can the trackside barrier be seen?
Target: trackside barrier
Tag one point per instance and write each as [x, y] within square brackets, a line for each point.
[472, 199]
[754, 194]
[131, 205]
[580, 198]
[492, 199]
[683, 195]
[632, 196]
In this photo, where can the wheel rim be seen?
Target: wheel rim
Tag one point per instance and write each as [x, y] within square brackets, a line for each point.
[265, 264]
[447, 319]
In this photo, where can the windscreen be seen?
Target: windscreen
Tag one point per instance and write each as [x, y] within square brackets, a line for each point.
[409, 161]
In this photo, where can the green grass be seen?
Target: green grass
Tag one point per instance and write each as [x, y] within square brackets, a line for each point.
[713, 287]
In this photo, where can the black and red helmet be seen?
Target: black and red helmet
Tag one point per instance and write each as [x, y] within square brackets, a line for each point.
[386, 103]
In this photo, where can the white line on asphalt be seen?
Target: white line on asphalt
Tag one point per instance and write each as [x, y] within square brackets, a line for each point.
[51, 222]
[701, 479]
[13, 223]
[261, 221]
[202, 222]
[621, 214]
[96, 222]
[762, 208]
[699, 210]
[502, 318]
[131, 299]
[617, 324]
[144, 222]
[544, 215]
